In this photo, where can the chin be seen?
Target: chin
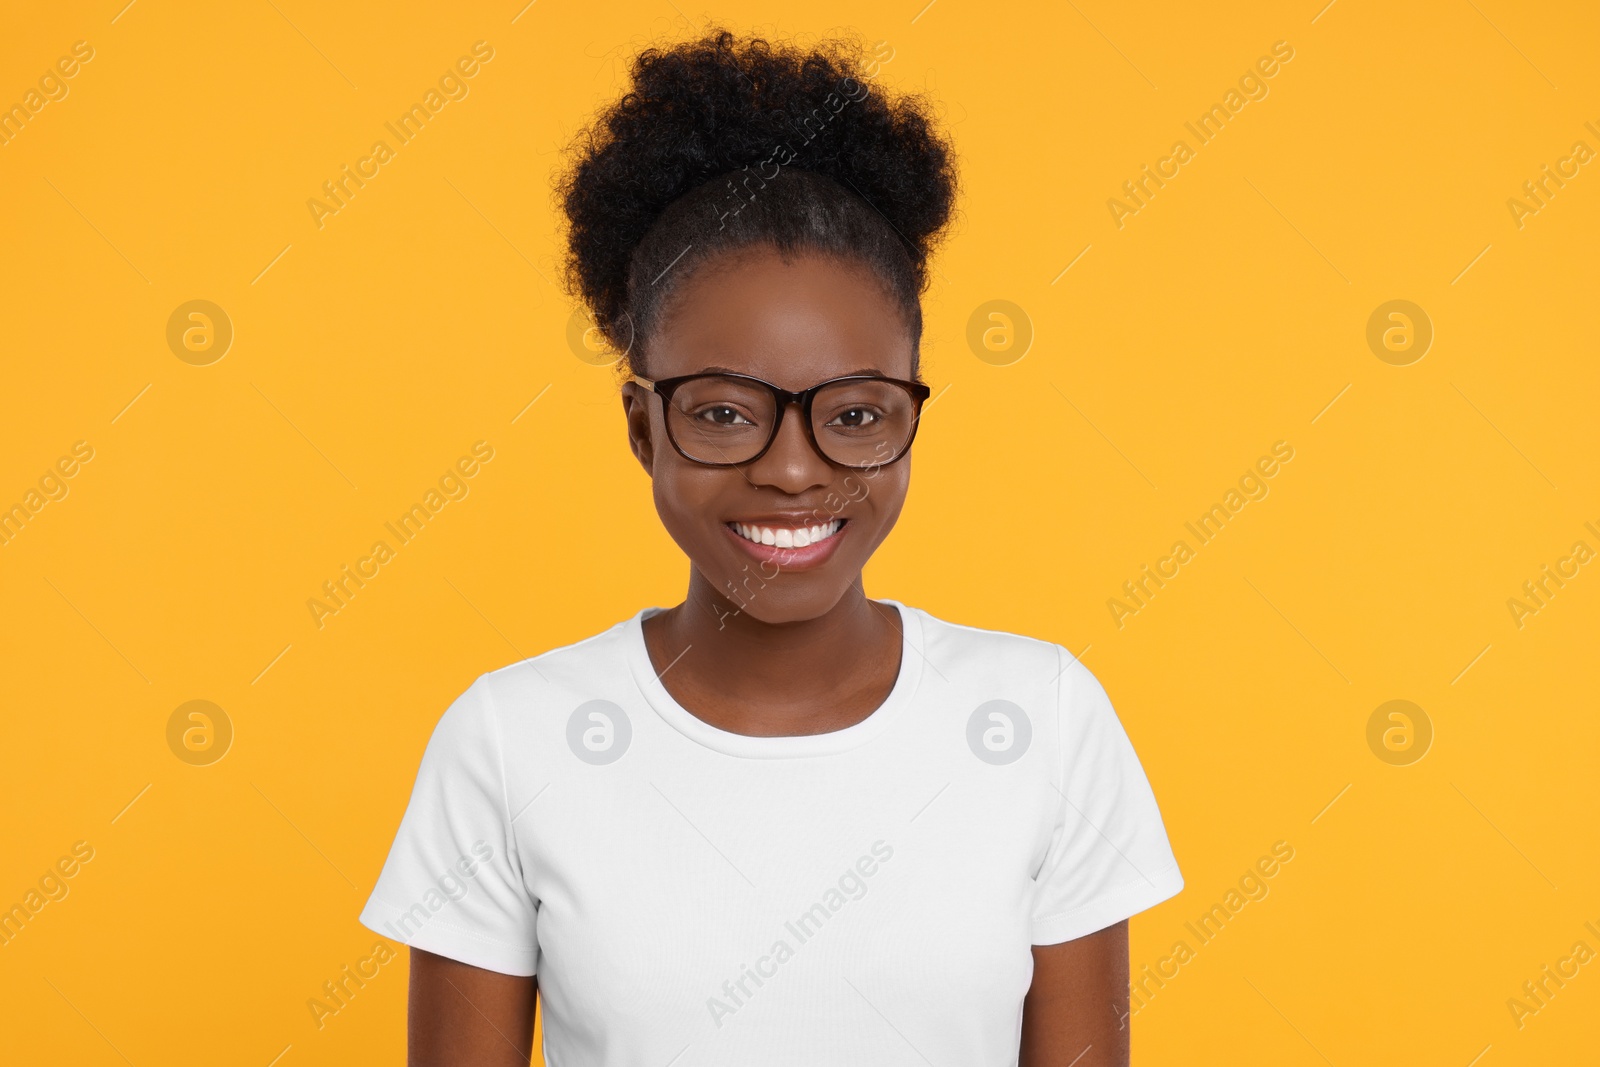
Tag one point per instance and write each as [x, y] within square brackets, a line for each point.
[776, 607]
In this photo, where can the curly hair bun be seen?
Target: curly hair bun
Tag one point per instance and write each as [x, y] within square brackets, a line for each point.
[722, 142]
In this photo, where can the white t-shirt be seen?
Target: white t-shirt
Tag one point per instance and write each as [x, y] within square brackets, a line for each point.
[690, 896]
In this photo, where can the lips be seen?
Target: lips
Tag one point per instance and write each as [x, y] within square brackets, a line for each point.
[790, 547]
[787, 536]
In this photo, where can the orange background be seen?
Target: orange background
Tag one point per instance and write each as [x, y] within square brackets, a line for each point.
[1229, 313]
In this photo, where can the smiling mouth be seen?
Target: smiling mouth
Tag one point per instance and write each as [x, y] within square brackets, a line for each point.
[787, 536]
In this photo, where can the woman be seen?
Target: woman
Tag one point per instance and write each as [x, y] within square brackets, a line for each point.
[780, 823]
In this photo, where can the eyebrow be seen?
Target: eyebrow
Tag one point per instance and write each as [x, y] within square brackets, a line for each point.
[847, 374]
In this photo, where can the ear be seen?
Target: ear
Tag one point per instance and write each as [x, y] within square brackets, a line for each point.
[636, 403]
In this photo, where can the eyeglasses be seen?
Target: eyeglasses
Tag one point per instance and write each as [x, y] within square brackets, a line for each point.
[722, 420]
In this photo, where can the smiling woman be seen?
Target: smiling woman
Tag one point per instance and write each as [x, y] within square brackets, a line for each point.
[666, 796]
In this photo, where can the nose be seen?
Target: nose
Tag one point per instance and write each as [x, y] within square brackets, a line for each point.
[792, 464]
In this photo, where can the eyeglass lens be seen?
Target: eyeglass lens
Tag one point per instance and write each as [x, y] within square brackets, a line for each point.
[856, 423]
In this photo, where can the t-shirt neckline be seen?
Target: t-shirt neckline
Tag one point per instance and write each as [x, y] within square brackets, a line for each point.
[785, 746]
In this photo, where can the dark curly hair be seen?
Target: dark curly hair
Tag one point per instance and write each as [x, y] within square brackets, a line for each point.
[720, 143]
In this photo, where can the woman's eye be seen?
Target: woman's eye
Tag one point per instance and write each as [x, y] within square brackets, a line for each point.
[723, 415]
[855, 418]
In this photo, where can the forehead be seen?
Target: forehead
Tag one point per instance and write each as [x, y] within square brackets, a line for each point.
[794, 322]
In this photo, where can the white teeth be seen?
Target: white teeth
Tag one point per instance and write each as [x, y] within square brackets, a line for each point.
[784, 537]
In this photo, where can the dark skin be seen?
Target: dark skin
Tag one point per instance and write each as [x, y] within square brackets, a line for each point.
[796, 652]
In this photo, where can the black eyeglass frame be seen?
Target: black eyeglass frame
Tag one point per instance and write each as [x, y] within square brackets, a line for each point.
[665, 387]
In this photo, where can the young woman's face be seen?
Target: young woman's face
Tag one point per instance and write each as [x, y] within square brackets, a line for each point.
[794, 324]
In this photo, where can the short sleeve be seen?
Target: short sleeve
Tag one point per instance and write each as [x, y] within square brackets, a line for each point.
[1109, 858]
[452, 883]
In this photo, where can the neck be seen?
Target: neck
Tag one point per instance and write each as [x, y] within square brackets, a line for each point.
[793, 677]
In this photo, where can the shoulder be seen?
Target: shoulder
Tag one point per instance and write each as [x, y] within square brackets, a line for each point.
[520, 690]
[570, 667]
[955, 648]
[991, 650]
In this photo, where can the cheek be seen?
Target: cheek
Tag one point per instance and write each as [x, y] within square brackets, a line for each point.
[876, 498]
[685, 498]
